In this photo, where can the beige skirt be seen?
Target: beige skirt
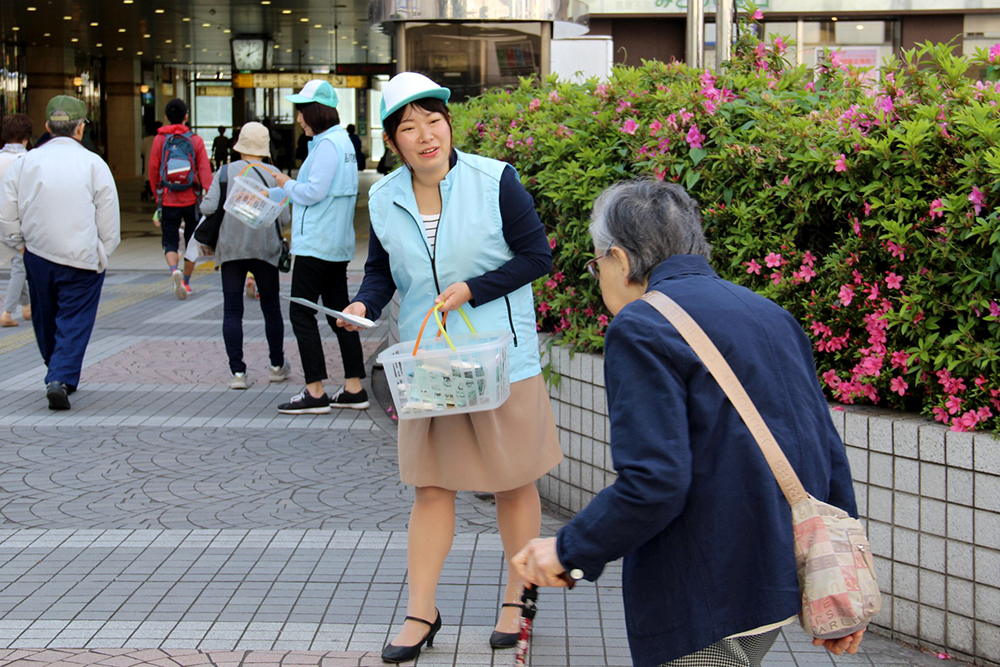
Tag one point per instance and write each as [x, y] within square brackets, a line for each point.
[495, 450]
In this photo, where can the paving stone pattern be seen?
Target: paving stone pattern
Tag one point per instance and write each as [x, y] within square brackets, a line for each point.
[166, 520]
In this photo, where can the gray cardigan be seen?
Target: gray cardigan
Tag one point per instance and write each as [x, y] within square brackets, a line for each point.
[236, 239]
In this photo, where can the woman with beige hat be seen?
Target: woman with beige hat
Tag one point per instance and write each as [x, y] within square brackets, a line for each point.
[242, 249]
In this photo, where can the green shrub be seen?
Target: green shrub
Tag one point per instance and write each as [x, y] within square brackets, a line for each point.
[864, 207]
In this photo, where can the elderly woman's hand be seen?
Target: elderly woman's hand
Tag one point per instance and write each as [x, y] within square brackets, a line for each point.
[454, 296]
[281, 179]
[538, 563]
[850, 643]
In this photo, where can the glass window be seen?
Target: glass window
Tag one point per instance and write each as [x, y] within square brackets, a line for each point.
[471, 58]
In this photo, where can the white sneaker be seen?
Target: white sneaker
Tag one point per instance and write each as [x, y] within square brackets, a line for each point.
[238, 381]
[179, 290]
[280, 373]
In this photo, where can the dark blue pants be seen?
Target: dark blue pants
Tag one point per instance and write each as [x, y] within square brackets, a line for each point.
[63, 310]
[234, 275]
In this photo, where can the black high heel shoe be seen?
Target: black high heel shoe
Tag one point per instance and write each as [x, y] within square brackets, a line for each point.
[396, 654]
[505, 639]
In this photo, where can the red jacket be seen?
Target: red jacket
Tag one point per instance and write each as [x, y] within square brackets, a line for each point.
[203, 169]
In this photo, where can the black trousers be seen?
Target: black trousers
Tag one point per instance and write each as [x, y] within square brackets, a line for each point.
[324, 283]
[234, 275]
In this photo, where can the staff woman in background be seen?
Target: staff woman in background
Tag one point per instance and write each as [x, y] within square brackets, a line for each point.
[323, 199]
[459, 229]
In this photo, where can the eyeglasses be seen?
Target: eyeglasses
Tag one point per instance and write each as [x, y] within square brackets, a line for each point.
[592, 268]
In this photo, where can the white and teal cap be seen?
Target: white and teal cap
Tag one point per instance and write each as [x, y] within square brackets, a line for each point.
[407, 87]
[316, 90]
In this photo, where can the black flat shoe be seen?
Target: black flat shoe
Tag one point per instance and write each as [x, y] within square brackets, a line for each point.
[505, 639]
[396, 654]
[58, 395]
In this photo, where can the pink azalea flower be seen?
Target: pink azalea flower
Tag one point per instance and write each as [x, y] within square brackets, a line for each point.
[544, 307]
[558, 276]
[841, 163]
[709, 106]
[937, 206]
[994, 309]
[785, 181]
[630, 126]
[900, 360]
[977, 198]
[940, 414]
[753, 267]
[995, 53]
[534, 104]
[694, 137]
[811, 87]
[554, 96]
[807, 257]
[776, 278]
[806, 273]
[779, 45]
[660, 174]
[895, 249]
[893, 281]
[552, 243]
[551, 284]
[758, 15]
[846, 294]
[857, 227]
[868, 209]
[602, 320]
[899, 385]
[773, 260]
[654, 127]
[954, 404]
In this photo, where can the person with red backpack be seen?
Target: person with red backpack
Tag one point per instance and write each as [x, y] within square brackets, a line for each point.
[179, 171]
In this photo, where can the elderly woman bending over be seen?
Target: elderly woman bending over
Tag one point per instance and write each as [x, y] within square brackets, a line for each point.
[709, 574]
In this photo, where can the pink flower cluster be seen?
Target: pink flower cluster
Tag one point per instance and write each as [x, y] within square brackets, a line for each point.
[951, 413]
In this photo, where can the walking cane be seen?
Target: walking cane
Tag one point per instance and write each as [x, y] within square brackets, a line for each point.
[529, 598]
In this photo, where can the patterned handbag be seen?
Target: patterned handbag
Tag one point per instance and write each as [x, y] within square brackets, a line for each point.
[836, 573]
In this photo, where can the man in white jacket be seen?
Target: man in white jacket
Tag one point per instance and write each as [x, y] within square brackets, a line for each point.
[59, 205]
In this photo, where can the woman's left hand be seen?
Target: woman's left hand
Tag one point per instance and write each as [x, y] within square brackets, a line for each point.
[281, 179]
[455, 295]
[538, 563]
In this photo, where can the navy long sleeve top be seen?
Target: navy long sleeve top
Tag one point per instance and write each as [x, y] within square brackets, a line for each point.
[703, 527]
[522, 230]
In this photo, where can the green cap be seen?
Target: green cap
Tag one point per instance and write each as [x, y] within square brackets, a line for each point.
[64, 107]
[316, 90]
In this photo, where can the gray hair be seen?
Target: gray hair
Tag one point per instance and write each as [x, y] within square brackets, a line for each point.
[64, 128]
[650, 221]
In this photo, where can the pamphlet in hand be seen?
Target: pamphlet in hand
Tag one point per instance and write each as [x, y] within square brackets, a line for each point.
[357, 321]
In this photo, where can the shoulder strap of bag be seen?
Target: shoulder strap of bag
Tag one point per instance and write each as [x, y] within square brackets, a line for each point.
[717, 365]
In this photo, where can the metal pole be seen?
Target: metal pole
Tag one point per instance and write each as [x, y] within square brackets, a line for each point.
[695, 42]
[723, 31]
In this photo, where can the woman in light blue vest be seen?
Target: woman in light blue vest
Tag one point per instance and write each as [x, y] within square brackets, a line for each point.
[323, 199]
[459, 229]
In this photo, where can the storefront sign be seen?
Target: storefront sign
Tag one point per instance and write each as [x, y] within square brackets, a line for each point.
[296, 80]
[214, 91]
[833, 7]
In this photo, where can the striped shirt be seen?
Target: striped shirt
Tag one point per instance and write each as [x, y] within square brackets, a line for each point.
[431, 226]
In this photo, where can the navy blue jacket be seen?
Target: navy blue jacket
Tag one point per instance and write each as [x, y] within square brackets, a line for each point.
[696, 513]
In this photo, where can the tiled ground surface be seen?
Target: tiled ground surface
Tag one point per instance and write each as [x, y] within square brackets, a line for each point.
[165, 520]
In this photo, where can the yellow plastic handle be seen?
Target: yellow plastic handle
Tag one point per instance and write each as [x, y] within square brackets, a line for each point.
[251, 165]
[440, 323]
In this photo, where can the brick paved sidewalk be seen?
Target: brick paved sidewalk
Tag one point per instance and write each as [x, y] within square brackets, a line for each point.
[166, 520]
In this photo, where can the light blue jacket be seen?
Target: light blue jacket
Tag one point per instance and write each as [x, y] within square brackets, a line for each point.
[324, 197]
[469, 243]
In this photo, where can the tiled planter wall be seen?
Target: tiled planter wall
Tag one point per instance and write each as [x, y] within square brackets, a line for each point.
[931, 499]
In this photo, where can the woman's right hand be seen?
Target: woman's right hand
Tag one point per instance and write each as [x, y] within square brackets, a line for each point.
[356, 308]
